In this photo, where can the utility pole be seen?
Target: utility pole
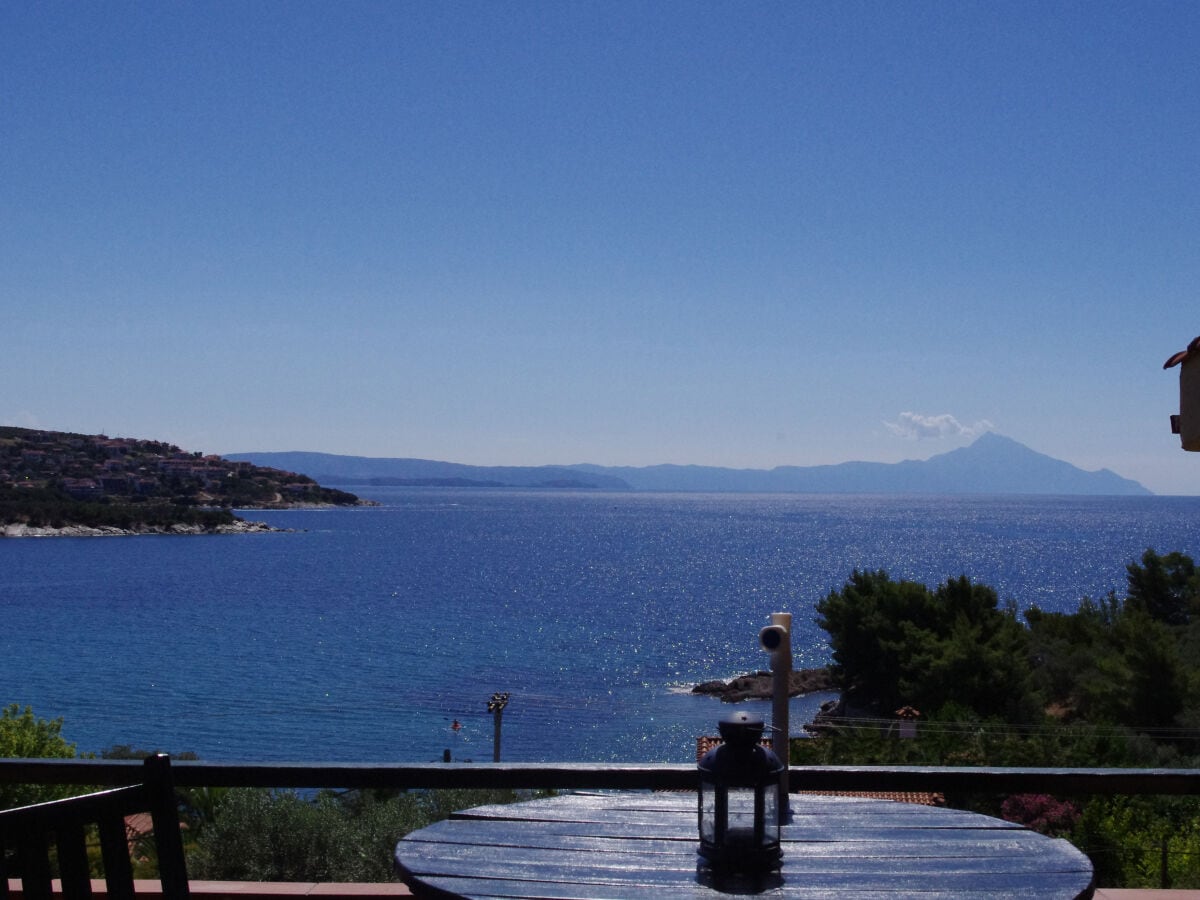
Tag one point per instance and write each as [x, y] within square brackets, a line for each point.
[496, 708]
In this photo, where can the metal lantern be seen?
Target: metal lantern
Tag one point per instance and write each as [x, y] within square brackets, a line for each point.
[739, 800]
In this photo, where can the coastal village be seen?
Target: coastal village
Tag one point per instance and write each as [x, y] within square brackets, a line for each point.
[79, 475]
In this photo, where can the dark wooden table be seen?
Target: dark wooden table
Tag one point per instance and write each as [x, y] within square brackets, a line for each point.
[626, 846]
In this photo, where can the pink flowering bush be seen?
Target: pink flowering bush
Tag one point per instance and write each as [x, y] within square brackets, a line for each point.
[1041, 812]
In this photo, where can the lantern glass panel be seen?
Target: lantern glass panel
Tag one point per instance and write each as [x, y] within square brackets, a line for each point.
[771, 815]
[741, 818]
[708, 812]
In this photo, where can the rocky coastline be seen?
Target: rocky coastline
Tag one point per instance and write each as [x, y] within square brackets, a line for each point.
[19, 530]
[304, 504]
[758, 685]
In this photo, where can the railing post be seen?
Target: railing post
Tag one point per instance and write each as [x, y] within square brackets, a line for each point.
[164, 810]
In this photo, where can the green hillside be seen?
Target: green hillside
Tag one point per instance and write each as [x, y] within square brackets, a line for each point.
[53, 479]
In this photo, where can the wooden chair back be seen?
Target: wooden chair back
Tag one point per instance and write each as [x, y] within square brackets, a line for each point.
[31, 831]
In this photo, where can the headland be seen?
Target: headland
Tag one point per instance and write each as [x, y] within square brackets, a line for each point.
[55, 483]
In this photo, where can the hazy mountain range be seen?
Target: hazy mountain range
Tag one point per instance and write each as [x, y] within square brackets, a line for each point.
[992, 465]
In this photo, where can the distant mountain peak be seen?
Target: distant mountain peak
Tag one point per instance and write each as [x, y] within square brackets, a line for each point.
[995, 463]
[992, 464]
[994, 438]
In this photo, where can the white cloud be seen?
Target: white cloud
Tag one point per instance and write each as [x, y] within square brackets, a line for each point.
[916, 427]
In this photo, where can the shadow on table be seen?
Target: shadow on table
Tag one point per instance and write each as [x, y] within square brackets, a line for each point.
[738, 884]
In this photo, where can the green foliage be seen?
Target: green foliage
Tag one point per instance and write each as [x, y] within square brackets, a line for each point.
[260, 835]
[1132, 663]
[1155, 685]
[1063, 646]
[264, 836]
[1166, 588]
[1125, 837]
[897, 643]
[23, 735]
[1111, 684]
[51, 508]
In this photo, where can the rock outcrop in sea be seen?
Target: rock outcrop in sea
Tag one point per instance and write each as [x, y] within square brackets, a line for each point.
[15, 530]
[757, 685]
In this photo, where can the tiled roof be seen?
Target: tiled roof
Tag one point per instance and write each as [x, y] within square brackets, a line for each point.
[920, 798]
[138, 826]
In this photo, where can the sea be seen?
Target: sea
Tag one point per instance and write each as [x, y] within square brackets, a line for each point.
[380, 634]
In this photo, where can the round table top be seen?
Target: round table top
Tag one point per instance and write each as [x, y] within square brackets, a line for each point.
[642, 845]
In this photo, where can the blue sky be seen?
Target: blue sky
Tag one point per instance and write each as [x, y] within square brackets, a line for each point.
[740, 234]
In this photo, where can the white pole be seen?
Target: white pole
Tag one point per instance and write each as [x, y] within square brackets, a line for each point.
[781, 686]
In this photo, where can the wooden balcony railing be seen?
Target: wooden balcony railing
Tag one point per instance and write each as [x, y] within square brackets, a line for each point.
[619, 776]
[566, 776]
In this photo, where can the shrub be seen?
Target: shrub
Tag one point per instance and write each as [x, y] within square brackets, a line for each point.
[23, 735]
[259, 835]
[1041, 812]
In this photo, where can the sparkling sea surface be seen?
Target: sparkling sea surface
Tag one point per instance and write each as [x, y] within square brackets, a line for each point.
[365, 632]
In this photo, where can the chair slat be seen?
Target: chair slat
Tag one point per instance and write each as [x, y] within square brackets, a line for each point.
[33, 853]
[4, 845]
[114, 848]
[73, 860]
